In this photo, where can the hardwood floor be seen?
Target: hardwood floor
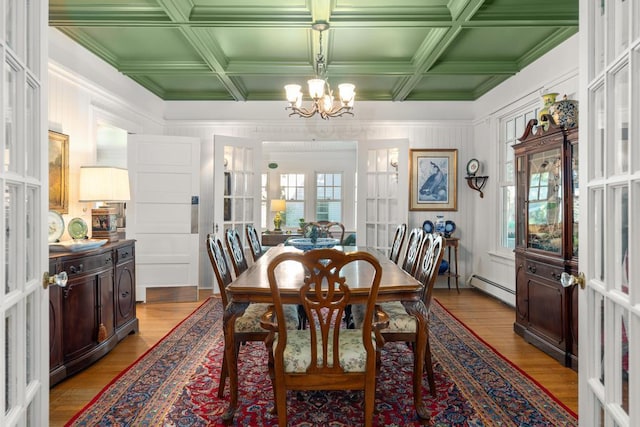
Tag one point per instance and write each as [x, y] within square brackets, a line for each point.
[487, 317]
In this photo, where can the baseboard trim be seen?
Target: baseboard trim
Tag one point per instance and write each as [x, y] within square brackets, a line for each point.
[172, 294]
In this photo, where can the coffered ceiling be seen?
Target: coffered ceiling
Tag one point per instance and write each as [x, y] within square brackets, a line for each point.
[247, 50]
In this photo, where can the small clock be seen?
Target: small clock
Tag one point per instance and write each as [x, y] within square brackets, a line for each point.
[472, 167]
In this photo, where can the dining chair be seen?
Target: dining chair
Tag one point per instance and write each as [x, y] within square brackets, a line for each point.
[325, 356]
[402, 325]
[236, 251]
[247, 326]
[254, 242]
[398, 240]
[414, 244]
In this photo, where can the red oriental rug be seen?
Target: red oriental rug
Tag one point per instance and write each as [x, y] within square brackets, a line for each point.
[175, 384]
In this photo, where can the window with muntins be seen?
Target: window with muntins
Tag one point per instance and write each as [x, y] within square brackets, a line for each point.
[511, 128]
[292, 190]
[329, 197]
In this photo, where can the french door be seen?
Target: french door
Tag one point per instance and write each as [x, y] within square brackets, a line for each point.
[382, 196]
[609, 338]
[24, 303]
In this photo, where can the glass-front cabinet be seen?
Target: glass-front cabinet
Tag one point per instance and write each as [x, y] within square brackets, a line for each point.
[547, 196]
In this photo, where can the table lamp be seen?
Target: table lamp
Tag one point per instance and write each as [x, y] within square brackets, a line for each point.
[101, 184]
[278, 206]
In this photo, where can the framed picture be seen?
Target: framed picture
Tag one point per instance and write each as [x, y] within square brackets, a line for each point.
[58, 172]
[433, 180]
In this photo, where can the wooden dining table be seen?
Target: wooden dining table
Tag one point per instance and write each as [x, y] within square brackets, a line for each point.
[252, 286]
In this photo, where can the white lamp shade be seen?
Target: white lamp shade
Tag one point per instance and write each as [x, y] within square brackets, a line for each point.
[316, 88]
[293, 93]
[103, 184]
[347, 93]
[278, 205]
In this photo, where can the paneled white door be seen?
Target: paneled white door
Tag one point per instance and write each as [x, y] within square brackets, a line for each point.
[162, 215]
[382, 196]
[609, 306]
[24, 303]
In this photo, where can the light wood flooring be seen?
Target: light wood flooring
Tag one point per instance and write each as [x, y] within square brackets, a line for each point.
[486, 316]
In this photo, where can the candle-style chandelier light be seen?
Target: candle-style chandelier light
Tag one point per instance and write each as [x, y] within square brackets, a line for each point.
[320, 91]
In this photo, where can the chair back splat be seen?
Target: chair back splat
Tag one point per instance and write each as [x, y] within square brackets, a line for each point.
[236, 251]
[398, 240]
[254, 242]
[414, 245]
[326, 356]
[334, 230]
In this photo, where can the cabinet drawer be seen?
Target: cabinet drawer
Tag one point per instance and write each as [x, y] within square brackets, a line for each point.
[125, 253]
[87, 264]
[543, 270]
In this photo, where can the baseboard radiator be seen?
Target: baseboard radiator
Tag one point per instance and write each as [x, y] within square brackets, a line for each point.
[493, 289]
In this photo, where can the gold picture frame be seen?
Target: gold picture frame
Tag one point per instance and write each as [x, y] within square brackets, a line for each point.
[433, 180]
[58, 172]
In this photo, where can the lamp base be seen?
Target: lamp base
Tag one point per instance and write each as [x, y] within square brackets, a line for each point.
[103, 224]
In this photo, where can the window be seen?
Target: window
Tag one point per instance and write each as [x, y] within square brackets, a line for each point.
[292, 189]
[329, 197]
[511, 128]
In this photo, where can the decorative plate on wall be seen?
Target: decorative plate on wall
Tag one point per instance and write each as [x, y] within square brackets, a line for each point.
[472, 167]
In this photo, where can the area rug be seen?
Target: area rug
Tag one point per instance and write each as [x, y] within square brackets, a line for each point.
[175, 384]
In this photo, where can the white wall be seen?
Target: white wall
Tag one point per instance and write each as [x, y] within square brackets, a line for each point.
[555, 72]
[84, 90]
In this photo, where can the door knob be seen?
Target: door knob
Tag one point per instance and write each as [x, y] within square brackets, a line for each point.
[569, 280]
[59, 279]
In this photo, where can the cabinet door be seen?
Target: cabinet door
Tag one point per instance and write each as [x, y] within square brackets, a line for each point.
[546, 311]
[545, 201]
[79, 316]
[55, 327]
[125, 293]
[522, 297]
[106, 318]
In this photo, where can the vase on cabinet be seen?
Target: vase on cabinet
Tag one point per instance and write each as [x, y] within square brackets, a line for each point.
[548, 99]
[440, 224]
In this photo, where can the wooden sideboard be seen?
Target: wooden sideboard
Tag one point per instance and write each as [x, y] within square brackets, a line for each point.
[274, 239]
[95, 310]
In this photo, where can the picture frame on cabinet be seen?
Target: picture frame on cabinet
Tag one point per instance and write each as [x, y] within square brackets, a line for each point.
[433, 176]
[58, 172]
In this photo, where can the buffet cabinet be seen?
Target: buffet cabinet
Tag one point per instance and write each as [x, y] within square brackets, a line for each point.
[546, 161]
[94, 310]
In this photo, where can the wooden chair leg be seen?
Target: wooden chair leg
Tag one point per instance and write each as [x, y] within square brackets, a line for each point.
[428, 364]
[224, 374]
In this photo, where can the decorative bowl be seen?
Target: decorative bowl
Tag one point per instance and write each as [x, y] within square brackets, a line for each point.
[306, 244]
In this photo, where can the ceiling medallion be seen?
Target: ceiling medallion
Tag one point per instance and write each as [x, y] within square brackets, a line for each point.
[320, 91]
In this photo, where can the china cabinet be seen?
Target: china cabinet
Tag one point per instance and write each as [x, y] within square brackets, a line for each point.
[94, 310]
[547, 201]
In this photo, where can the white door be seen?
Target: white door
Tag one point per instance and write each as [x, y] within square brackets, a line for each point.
[609, 314]
[24, 304]
[237, 174]
[162, 215]
[382, 197]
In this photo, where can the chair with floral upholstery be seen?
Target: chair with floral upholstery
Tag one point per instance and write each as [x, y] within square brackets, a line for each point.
[247, 326]
[325, 356]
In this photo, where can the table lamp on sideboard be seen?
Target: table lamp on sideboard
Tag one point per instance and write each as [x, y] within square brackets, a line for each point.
[278, 206]
[102, 184]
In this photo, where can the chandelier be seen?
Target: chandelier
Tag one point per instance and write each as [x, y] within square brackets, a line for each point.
[320, 91]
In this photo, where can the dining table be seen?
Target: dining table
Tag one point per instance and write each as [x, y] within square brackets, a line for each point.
[252, 286]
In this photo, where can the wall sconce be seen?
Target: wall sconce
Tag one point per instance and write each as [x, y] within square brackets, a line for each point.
[101, 184]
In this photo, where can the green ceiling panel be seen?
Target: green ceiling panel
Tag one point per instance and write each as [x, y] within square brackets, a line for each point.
[248, 49]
